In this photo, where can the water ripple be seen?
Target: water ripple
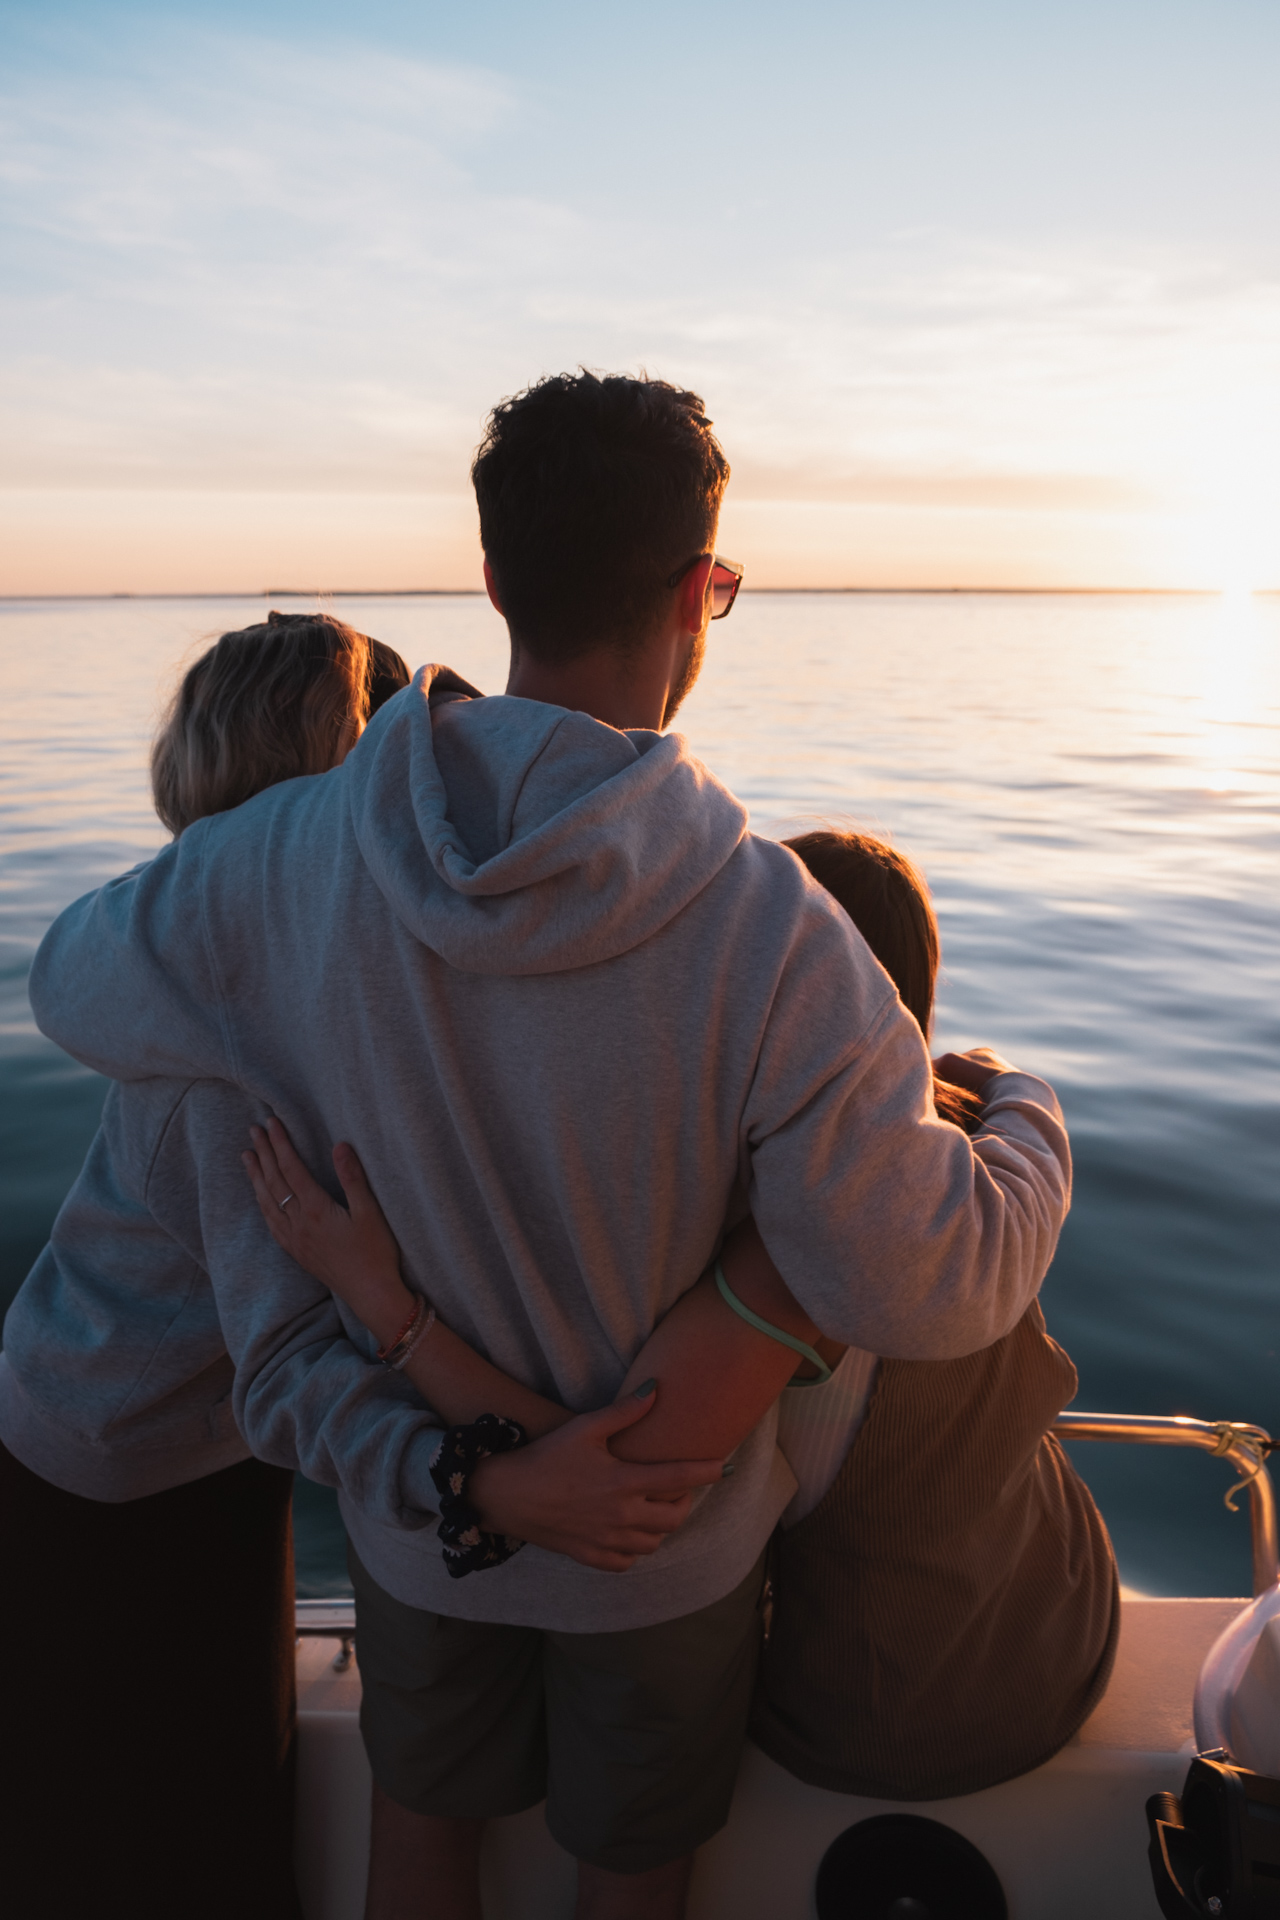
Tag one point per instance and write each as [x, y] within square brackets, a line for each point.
[1093, 786]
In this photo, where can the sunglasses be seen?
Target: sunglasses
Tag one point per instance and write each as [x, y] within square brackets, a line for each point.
[726, 578]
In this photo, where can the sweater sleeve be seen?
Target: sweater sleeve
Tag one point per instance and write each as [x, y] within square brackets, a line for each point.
[308, 1392]
[123, 980]
[896, 1231]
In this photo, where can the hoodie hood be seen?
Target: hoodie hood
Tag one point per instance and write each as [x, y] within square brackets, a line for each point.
[512, 837]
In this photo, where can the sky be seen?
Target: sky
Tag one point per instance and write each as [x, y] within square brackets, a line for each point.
[978, 294]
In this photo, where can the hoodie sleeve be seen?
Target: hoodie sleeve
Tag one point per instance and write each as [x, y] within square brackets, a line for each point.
[123, 980]
[308, 1393]
[895, 1230]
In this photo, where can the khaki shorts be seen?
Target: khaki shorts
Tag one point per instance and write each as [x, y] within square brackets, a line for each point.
[633, 1739]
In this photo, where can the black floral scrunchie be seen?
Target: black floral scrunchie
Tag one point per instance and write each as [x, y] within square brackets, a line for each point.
[467, 1547]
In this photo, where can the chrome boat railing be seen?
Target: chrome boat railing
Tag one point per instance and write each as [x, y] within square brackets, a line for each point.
[329, 1620]
[1246, 1447]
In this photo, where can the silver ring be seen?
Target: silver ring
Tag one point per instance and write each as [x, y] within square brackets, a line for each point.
[284, 1203]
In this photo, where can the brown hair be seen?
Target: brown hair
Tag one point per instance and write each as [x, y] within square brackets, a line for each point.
[593, 490]
[887, 898]
[268, 703]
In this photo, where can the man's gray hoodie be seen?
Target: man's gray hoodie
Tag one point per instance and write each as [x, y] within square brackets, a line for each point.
[563, 1004]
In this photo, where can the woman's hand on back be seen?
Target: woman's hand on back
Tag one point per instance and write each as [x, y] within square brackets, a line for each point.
[351, 1250]
[973, 1069]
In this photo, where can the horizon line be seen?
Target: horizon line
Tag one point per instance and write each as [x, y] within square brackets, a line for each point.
[455, 593]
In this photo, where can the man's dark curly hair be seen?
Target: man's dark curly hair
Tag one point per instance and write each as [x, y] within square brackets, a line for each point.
[592, 491]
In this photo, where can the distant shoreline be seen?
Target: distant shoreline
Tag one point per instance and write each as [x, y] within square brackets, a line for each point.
[458, 593]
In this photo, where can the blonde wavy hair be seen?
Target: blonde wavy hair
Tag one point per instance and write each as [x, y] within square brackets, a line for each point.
[268, 703]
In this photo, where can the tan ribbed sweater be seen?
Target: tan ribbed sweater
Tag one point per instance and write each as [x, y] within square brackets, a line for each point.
[946, 1617]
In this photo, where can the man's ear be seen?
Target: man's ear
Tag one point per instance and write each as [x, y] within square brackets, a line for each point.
[693, 595]
[491, 588]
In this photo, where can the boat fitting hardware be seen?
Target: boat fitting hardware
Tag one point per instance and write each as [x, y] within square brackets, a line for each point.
[1245, 1446]
[1216, 1849]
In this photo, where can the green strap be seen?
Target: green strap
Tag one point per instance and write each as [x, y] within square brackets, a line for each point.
[731, 1299]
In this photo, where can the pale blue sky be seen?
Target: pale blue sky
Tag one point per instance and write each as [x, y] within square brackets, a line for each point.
[974, 291]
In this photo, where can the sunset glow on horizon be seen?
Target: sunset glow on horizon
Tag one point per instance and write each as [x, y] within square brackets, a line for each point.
[975, 299]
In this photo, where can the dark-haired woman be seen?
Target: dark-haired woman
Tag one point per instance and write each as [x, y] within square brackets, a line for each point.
[946, 1603]
[147, 1603]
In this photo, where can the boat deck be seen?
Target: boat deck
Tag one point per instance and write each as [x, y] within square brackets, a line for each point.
[1066, 1840]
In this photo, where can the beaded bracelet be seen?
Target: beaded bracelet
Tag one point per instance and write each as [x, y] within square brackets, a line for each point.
[415, 1329]
[467, 1547]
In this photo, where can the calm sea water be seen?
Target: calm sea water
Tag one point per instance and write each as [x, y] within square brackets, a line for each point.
[1093, 786]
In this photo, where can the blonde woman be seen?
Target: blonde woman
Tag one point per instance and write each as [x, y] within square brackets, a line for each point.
[148, 1597]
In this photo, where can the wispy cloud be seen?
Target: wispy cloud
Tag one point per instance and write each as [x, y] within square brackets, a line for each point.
[243, 244]
[248, 264]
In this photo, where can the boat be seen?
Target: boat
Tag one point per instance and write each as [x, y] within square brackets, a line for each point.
[1067, 1840]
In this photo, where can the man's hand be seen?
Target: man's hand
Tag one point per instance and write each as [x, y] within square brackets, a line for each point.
[972, 1069]
[568, 1492]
